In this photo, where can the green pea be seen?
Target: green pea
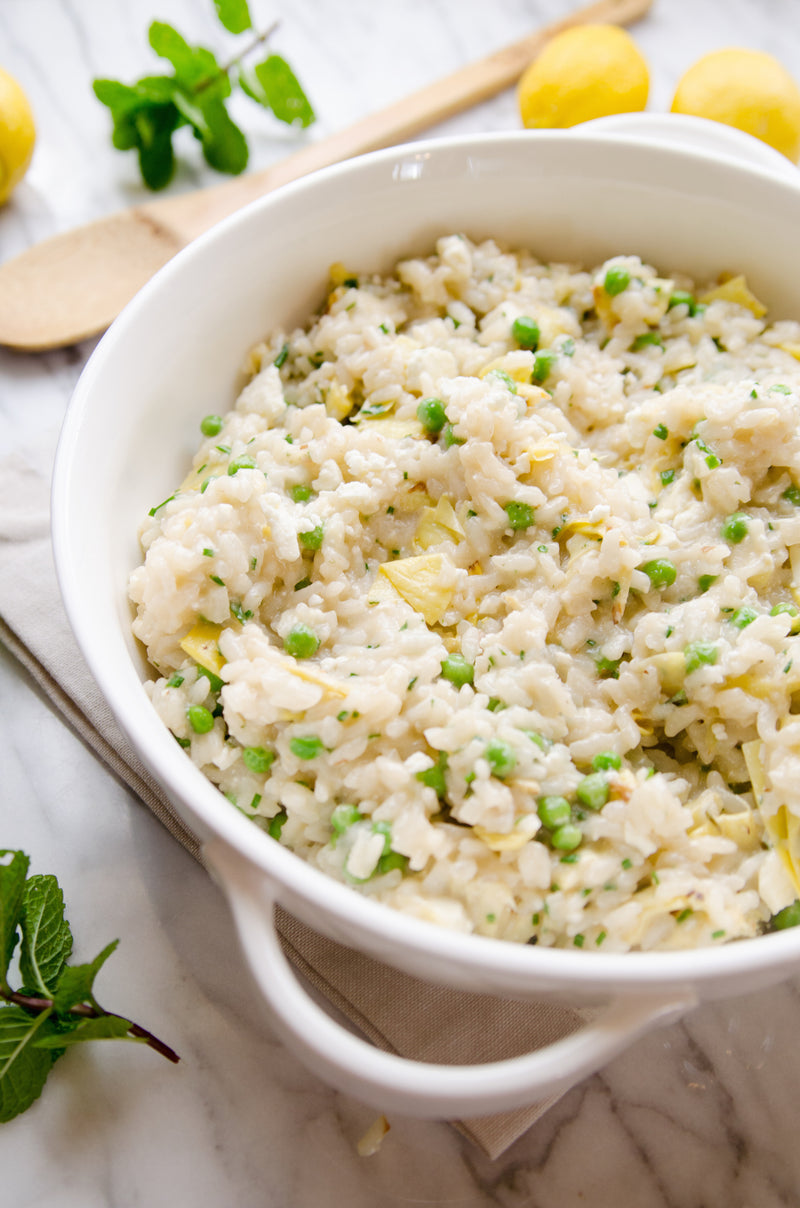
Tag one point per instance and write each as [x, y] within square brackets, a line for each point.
[301, 642]
[543, 364]
[431, 414]
[200, 719]
[604, 760]
[276, 824]
[312, 539]
[390, 861]
[788, 917]
[743, 616]
[306, 746]
[449, 437]
[699, 654]
[503, 377]
[680, 297]
[520, 515]
[434, 777]
[258, 759]
[593, 791]
[661, 572]
[553, 811]
[646, 340]
[790, 610]
[211, 425]
[525, 331]
[343, 817]
[735, 528]
[567, 837]
[458, 670]
[301, 492]
[241, 463]
[501, 758]
[617, 280]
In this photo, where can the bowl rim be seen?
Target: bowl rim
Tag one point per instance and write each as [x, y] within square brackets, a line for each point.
[202, 801]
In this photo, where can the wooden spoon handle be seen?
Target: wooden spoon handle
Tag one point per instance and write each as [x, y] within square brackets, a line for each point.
[71, 286]
[188, 215]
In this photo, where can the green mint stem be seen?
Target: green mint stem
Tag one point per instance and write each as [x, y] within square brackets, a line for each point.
[41, 1006]
[228, 67]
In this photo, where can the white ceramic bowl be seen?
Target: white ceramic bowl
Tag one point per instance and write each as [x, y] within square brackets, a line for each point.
[173, 356]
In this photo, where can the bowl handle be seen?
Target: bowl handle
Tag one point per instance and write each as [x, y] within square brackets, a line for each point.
[389, 1082]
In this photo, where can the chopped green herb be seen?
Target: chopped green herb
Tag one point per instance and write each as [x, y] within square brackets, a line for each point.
[301, 583]
[175, 680]
[626, 863]
[705, 581]
[661, 431]
[684, 915]
[792, 495]
[280, 359]
[216, 579]
[607, 668]
[578, 940]
[667, 476]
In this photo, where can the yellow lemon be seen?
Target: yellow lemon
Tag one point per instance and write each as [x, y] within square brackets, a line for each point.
[17, 134]
[748, 89]
[586, 72]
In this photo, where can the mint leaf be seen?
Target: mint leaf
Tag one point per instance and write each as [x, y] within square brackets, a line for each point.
[234, 15]
[275, 86]
[23, 1067]
[46, 936]
[12, 888]
[224, 145]
[195, 67]
[105, 1027]
[76, 981]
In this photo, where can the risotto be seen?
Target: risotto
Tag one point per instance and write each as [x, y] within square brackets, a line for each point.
[483, 599]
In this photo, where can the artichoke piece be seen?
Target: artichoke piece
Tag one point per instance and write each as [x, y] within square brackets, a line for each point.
[419, 581]
[671, 668]
[784, 829]
[438, 524]
[736, 290]
[200, 644]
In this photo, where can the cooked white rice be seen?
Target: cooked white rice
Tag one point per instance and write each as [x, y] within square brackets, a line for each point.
[509, 547]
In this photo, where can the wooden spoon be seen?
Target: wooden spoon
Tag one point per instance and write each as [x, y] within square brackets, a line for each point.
[71, 286]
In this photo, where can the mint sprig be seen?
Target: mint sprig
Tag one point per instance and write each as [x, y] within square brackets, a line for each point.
[147, 113]
[55, 1006]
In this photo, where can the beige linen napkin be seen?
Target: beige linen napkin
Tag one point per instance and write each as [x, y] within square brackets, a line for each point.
[397, 1012]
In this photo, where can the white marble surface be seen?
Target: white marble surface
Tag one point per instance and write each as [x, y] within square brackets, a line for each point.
[701, 1115]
